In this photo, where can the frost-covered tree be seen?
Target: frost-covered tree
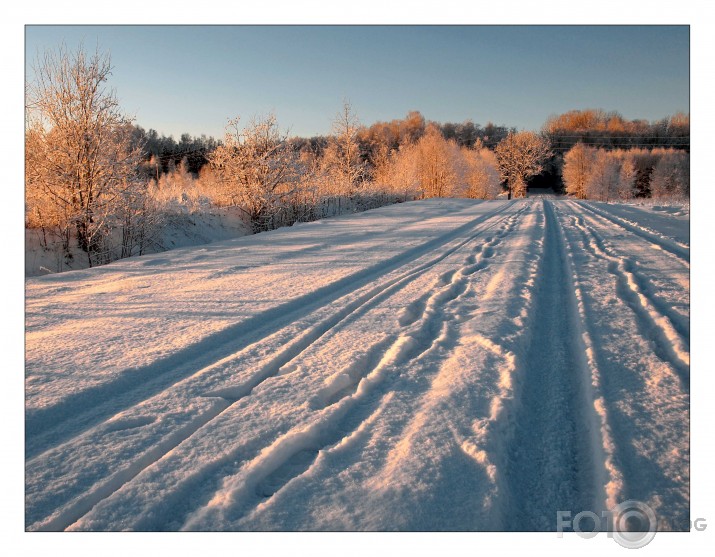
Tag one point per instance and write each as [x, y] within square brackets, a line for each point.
[398, 172]
[81, 155]
[140, 221]
[256, 166]
[625, 188]
[435, 167]
[603, 178]
[671, 175]
[578, 162]
[435, 158]
[341, 159]
[482, 173]
[597, 173]
[177, 179]
[519, 157]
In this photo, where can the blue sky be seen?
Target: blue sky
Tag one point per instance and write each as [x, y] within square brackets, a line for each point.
[191, 79]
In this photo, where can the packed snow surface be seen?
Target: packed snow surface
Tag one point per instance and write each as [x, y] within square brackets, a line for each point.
[433, 365]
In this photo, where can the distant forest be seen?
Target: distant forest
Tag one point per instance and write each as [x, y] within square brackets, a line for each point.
[594, 128]
[96, 181]
[169, 153]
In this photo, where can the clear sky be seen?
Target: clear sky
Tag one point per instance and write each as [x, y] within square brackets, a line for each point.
[191, 79]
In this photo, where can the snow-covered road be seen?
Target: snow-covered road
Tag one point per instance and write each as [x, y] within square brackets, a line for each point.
[436, 365]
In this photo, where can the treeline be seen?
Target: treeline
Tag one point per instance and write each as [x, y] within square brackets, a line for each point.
[96, 179]
[277, 180]
[163, 154]
[375, 143]
[606, 175]
[609, 130]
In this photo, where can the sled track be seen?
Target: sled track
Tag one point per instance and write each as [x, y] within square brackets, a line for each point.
[670, 342]
[680, 252]
[50, 426]
[225, 398]
[344, 412]
[523, 357]
[551, 461]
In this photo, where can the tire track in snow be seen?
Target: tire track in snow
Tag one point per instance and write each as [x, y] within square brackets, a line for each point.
[675, 249]
[472, 263]
[231, 395]
[642, 283]
[81, 505]
[550, 457]
[473, 435]
[486, 440]
[427, 335]
[667, 342]
[347, 409]
[611, 209]
[643, 413]
[426, 398]
[608, 475]
[50, 426]
[350, 312]
[427, 332]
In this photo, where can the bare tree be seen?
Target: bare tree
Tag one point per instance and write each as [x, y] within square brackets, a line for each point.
[257, 166]
[482, 173]
[341, 159]
[671, 175]
[519, 157]
[80, 153]
[436, 163]
[602, 181]
[625, 188]
[578, 162]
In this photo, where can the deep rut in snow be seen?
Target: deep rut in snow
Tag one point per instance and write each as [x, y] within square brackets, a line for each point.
[549, 465]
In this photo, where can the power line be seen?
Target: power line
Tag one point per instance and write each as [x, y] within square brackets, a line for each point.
[559, 145]
[635, 140]
[634, 136]
[624, 145]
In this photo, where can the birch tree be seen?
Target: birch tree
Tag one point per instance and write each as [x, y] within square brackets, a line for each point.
[435, 163]
[342, 156]
[397, 172]
[80, 153]
[578, 162]
[626, 175]
[519, 157]
[671, 175]
[603, 178]
[482, 173]
[256, 168]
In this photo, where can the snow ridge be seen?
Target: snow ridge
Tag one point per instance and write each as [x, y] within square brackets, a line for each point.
[440, 365]
[134, 384]
[678, 249]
